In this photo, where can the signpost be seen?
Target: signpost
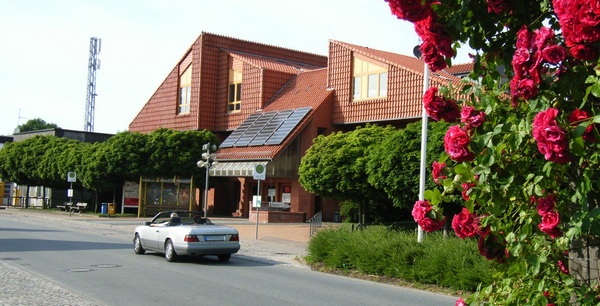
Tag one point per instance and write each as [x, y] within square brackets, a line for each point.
[259, 174]
[71, 178]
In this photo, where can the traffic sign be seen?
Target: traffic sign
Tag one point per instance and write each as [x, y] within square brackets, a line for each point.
[259, 173]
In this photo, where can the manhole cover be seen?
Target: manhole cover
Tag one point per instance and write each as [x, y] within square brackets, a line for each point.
[104, 266]
[11, 258]
[80, 270]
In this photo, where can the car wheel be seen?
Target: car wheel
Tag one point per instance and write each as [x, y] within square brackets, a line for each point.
[137, 245]
[224, 257]
[170, 254]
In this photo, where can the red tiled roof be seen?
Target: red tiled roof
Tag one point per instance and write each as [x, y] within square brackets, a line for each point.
[306, 89]
[271, 63]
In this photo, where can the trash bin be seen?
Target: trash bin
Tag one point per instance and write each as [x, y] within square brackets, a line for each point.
[336, 217]
[103, 208]
[111, 209]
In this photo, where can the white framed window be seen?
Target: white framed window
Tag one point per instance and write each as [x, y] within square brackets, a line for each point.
[369, 80]
[185, 91]
[234, 91]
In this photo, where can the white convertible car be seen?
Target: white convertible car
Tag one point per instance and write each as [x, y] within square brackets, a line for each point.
[185, 233]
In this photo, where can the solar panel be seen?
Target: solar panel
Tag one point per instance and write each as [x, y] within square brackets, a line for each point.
[240, 130]
[254, 130]
[270, 128]
[284, 130]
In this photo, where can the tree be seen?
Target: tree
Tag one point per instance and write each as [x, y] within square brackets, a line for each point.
[394, 166]
[36, 125]
[336, 166]
[524, 154]
[46, 160]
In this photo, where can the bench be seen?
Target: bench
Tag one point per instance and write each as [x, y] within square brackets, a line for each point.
[79, 207]
[65, 207]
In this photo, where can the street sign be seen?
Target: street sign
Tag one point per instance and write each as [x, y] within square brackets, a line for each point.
[71, 177]
[259, 173]
[256, 201]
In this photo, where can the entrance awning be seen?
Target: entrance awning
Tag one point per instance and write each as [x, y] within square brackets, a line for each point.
[235, 169]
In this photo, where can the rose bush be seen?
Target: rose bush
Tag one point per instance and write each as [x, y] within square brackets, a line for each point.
[524, 155]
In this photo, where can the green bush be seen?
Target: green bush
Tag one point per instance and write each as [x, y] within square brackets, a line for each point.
[376, 250]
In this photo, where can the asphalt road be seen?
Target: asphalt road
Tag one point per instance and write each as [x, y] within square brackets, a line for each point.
[104, 269]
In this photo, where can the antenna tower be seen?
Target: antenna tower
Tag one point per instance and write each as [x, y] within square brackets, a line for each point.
[93, 65]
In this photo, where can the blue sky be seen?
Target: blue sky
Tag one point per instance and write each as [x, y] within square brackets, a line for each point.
[45, 47]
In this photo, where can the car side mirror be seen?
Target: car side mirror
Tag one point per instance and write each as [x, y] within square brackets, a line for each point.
[147, 223]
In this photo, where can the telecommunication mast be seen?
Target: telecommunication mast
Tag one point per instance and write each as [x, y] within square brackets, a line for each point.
[93, 65]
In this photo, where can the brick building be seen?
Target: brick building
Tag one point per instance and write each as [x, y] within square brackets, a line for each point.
[267, 104]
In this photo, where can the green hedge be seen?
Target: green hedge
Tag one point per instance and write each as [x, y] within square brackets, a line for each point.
[376, 250]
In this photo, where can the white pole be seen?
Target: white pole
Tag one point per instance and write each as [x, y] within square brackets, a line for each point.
[423, 146]
[258, 193]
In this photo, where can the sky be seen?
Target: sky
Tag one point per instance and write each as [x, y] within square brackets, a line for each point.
[44, 47]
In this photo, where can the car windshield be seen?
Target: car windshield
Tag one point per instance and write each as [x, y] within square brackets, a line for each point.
[185, 217]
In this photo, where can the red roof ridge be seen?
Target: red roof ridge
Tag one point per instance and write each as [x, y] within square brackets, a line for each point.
[247, 57]
[257, 43]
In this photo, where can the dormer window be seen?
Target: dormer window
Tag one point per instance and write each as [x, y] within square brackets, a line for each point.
[185, 91]
[369, 80]
[234, 94]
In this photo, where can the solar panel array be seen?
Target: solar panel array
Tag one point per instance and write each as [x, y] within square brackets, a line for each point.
[269, 128]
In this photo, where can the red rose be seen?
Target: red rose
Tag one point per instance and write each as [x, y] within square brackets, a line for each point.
[436, 172]
[543, 119]
[465, 224]
[553, 144]
[578, 116]
[526, 88]
[554, 54]
[455, 144]
[420, 210]
[543, 37]
[562, 267]
[549, 224]
[546, 205]
[520, 58]
[471, 117]
[439, 107]
[410, 10]
[584, 52]
[497, 6]
[436, 64]
[523, 38]
[430, 225]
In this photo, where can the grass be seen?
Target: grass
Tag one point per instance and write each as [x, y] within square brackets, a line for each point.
[378, 252]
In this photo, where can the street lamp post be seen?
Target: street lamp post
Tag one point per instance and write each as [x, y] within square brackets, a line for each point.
[208, 160]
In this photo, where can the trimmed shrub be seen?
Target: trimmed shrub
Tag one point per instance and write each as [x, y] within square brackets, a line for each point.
[376, 250]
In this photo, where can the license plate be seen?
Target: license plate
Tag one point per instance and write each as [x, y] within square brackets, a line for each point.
[214, 238]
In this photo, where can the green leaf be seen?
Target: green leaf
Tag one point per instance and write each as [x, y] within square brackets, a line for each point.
[595, 90]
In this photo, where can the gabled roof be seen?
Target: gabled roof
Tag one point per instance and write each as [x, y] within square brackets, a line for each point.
[410, 63]
[271, 63]
[307, 89]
